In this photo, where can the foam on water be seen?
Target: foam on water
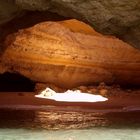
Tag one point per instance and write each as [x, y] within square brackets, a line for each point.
[84, 134]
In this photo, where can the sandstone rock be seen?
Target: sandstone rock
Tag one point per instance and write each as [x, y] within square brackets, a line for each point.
[83, 88]
[41, 86]
[59, 53]
[103, 92]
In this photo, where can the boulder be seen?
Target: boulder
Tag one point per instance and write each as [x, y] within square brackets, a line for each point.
[70, 53]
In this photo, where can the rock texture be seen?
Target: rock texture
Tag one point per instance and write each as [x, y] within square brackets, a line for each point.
[132, 36]
[70, 53]
[8, 10]
[33, 5]
[110, 17]
[114, 17]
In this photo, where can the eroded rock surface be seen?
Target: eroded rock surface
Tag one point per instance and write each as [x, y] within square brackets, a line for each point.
[114, 17]
[70, 53]
[107, 16]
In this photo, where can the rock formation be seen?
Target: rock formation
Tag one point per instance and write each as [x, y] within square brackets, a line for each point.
[106, 16]
[70, 53]
[114, 17]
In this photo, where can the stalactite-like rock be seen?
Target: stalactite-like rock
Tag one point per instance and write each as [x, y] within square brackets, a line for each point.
[70, 53]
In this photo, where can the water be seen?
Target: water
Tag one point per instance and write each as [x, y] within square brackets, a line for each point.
[68, 125]
[89, 134]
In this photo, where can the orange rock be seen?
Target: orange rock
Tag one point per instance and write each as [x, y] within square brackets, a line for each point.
[81, 27]
[70, 53]
[103, 92]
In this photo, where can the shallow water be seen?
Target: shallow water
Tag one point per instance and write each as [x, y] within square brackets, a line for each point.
[85, 134]
[70, 125]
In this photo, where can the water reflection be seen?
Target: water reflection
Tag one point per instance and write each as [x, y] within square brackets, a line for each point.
[33, 119]
[69, 120]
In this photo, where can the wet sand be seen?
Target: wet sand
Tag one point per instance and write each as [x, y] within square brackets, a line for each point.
[27, 100]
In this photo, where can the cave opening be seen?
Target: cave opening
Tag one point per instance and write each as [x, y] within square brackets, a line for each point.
[11, 82]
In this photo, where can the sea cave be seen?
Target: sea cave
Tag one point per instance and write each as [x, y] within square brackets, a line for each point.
[71, 66]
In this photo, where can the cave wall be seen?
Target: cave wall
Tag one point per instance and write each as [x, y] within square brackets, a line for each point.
[113, 17]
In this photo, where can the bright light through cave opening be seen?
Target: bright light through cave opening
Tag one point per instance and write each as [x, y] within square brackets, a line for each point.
[70, 96]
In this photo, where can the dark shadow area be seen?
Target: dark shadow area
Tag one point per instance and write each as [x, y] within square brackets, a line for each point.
[15, 82]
